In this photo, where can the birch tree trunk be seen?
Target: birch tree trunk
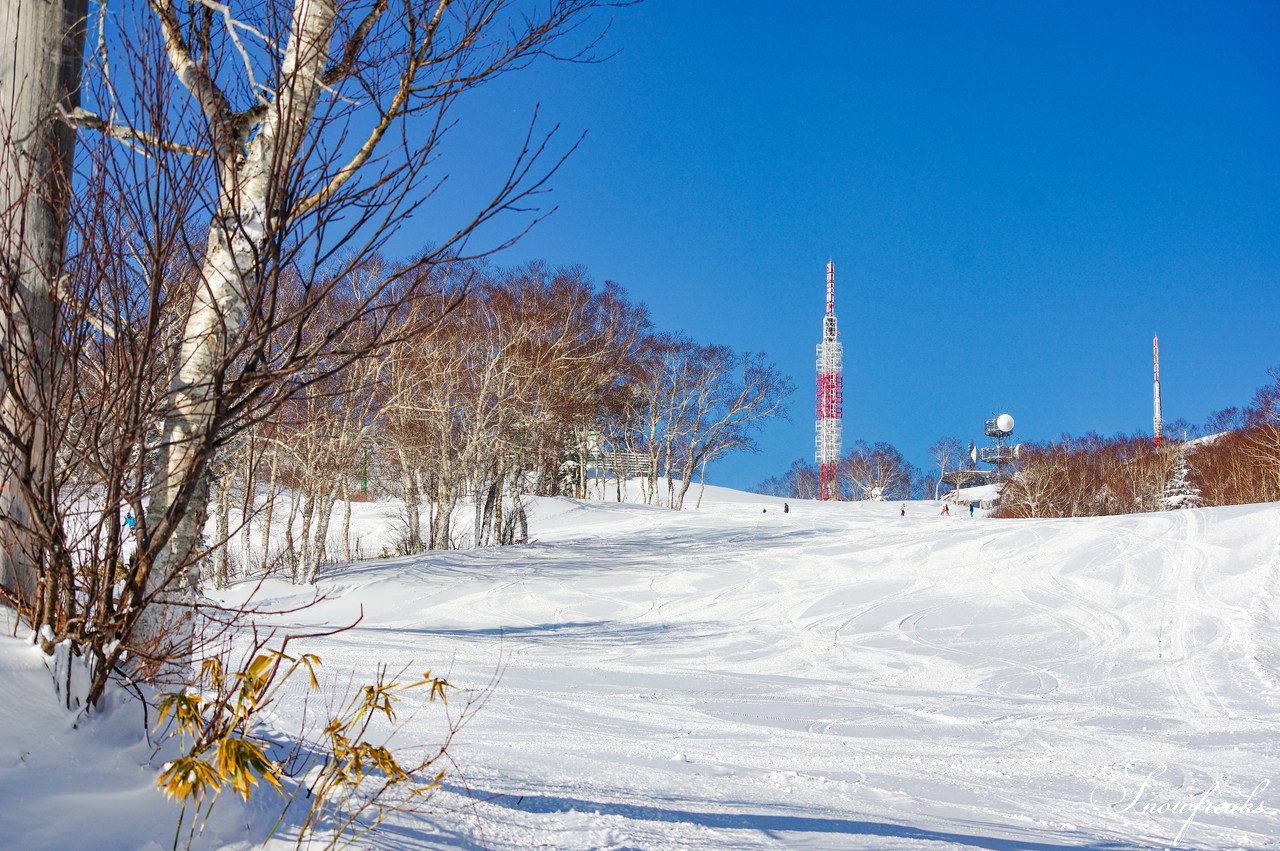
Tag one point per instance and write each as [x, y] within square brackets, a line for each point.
[412, 505]
[303, 559]
[446, 523]
[319, 549]
[290, 554]
[249, 504]
[476, 541]
[521, 516]
[41, 54]
[268, 509]
[222, 555]
[443, 502]
[253, 174]
[495, 499]
[433, 510]
[491, 498]
[346, 520]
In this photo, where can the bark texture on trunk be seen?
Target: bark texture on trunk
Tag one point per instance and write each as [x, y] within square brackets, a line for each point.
[268, 510]
[412, 505]
[41, 54]
[319, 549]
[303, 559]
[256, 163]
[346, 521]
[222, 556]
[290, 555]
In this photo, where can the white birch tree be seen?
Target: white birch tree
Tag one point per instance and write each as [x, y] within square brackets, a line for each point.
[41, 54]
[240, 162]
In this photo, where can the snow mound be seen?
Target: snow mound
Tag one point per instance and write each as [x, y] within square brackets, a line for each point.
[840, 676]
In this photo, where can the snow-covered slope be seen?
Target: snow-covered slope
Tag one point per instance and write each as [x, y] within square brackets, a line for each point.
[836, 677]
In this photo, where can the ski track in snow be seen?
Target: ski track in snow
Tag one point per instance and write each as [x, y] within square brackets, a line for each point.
[835, 678]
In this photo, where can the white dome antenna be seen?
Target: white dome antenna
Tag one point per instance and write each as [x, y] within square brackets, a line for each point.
[999, 453]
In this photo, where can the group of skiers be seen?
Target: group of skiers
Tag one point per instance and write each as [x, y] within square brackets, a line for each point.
[946, 510]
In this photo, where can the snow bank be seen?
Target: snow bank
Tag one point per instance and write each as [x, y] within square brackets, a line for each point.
[71, 782]
[836, 677]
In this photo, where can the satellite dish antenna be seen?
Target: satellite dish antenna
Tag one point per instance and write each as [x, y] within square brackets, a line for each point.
[973, 453]
[1017, 451]
[1004, 422]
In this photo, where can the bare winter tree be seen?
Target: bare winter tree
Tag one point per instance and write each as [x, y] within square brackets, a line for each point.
[240, 165]
[801, 481]
[571, 349]
[695, 403]
[41, 54]
[502, 397]
[948, 454]
[1263, 418]
[876, 472]
[1089, 476]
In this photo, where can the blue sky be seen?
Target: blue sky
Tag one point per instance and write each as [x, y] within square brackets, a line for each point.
[1016, 196]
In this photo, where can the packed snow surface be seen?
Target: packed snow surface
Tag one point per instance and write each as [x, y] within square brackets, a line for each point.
[835, 677]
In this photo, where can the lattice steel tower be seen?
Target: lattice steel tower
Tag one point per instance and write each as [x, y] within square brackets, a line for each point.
[830, 395]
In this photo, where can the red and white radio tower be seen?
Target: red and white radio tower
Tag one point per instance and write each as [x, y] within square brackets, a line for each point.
[830, 395]
[1157, 423]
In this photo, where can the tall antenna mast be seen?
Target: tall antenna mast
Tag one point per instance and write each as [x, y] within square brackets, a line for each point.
[1157, 422]
[830, 395]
